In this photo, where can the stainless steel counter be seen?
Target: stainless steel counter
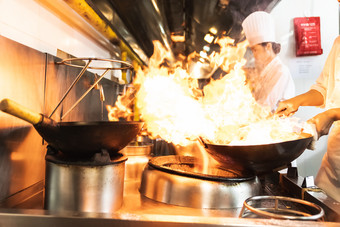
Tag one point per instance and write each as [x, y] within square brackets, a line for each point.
[40, 218]
[136, 211]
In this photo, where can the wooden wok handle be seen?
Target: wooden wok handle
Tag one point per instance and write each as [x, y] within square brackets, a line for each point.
[17, 110]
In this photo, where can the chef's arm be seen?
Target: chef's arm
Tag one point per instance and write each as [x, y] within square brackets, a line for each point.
[333, 114]
[290, 106]
[323, 121]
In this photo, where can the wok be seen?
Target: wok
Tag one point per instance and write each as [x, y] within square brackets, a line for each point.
[262, 158]
[77, 138]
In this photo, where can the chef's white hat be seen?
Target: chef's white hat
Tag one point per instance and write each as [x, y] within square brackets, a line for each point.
[259, 28]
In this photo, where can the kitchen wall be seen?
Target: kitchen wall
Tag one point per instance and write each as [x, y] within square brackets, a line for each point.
[305, 70]
[51, 26]
[31, 37]
[34, 80]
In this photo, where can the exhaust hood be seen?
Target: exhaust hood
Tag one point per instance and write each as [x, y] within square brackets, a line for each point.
[182, 26]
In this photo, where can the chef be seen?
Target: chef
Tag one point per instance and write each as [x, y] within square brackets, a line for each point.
[325, 93]
[270, 81]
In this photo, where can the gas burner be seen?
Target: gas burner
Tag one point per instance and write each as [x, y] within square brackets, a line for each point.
[192, 167]
[96, 159]
[81, 184]
[180, 180]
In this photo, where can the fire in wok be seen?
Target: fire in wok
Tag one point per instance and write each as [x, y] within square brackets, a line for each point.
[235, 128]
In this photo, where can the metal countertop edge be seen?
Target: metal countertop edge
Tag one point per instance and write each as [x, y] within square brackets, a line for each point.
[31, 217]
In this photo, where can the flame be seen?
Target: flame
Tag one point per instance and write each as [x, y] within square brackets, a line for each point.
[123, 107]
[224, 112]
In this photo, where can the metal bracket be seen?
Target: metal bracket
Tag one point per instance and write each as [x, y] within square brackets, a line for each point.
[74, 62]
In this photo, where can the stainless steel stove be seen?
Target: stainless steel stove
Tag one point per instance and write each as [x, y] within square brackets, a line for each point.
[183, 181]
[139, 208]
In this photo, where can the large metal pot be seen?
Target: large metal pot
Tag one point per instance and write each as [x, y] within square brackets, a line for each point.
[84, 187]
[262, 158]
[77, 138]
[138, 156]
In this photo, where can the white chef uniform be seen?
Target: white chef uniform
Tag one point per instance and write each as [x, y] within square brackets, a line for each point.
[275, 82]
[328, 84]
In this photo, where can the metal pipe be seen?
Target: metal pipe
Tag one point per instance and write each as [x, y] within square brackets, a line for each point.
[124, 74]
[85, 10]
[72, 85]
[81, 98]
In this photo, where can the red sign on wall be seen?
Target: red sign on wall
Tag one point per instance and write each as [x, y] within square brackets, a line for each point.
[307, 36]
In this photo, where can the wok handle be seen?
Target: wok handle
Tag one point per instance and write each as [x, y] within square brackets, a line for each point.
[17, 110]
[200, 139]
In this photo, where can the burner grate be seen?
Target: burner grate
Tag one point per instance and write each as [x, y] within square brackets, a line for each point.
[281, 207]
[192, 167]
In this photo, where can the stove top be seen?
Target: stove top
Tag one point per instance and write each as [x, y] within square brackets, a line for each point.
[104, 157]
[195, 168]
[183, 181]
[139, 210]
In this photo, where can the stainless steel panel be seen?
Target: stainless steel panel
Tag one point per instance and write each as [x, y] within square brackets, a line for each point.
[197, 193]
[34, 219]
[144, 21]
[91, 108]
[22, 75]
[84, 188]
